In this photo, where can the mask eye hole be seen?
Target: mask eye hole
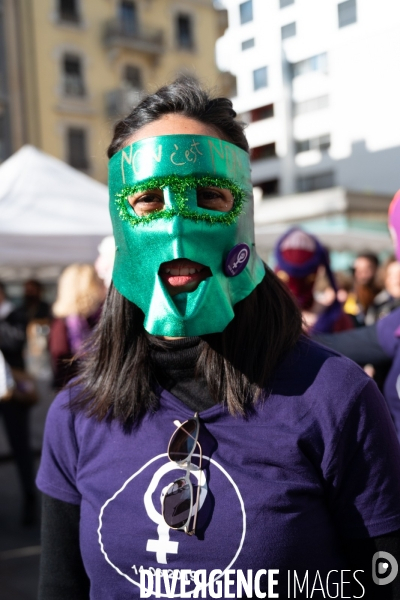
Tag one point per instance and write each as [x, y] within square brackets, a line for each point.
[213, 198]
[146, 202]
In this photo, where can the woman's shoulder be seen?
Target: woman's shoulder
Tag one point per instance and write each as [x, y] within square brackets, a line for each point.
[318, 381]
[60, 451]
[62, 412]
[68, 418]
[309, 360]
[324, 397]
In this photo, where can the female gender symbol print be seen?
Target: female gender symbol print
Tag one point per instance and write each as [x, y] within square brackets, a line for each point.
[237, 259]
[133, 535]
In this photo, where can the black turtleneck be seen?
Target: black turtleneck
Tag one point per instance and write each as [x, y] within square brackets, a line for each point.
[174, 363]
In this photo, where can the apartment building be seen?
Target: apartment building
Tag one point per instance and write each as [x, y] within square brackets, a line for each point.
[70, 68]
[317, 82]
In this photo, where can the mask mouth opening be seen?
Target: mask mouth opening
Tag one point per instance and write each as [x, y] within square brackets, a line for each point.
[182, 275]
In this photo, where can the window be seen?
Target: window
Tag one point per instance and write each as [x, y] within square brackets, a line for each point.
[270, 187]
[266, 151]
[322, 143]
[347, 13]
[2, 137]
[132, 77]
[314, 63]
[73, 78]
[321, 181]
[302, 146]
[77, 148]
[288, 31]
[68, 10]
[283, 3]
[246, 12]
[184, 32]
[263, 112]
[260, 78]
[300, 108]
[128, 17]
[248, 44]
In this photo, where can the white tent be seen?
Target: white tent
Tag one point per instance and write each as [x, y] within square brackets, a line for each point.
[50, 213]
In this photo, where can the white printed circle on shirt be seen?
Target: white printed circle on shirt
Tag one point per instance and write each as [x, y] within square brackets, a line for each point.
[398, 386]
[138, 502]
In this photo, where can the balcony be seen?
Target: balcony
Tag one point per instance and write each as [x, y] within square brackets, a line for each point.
[120, 102]
[142, 39]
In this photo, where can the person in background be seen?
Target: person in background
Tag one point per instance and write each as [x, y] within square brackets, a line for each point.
[389, 297]
[104, 263]
[388, 278]
[392, 282]
[16, 415]
[38, 316]
[33, 304]
[365, 287]
[344, 282]
[7, 382]
[299, 260]
[76, 311]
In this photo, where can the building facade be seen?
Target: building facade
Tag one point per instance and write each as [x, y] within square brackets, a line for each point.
[70, 68]
[317, 85]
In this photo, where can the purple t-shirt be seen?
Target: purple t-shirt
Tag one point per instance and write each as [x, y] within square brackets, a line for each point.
[388, 332]
[317, 459]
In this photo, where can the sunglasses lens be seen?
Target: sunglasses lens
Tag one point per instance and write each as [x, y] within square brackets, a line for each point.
[177, 504]
[183, 441]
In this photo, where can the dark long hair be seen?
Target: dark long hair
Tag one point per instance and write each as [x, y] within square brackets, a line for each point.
[117, 378]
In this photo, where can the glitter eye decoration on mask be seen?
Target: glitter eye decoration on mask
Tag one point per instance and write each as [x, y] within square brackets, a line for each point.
[221, 200]
[213, 198]
[147, 202]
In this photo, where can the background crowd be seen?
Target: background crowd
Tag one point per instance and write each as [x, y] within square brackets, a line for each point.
[331, 302]
[57, 332]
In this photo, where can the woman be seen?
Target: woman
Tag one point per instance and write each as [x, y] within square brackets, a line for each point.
[299, 259]
[14, 412]
[194, 323]
[76, 310]
[389, 298]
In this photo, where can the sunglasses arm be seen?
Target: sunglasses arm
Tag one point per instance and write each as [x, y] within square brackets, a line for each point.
[193, 530]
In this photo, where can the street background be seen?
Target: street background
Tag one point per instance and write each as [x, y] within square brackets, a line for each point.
[314, 82]
[20, 546]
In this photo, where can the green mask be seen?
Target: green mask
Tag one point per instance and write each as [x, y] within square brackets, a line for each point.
[223, 241]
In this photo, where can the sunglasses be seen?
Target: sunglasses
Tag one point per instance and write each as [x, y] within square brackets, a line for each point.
[177, 503]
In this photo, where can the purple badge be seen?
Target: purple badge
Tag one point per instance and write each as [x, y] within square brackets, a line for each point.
[236, 260]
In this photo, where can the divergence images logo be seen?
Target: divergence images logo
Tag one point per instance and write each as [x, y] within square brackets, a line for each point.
[384, 568]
